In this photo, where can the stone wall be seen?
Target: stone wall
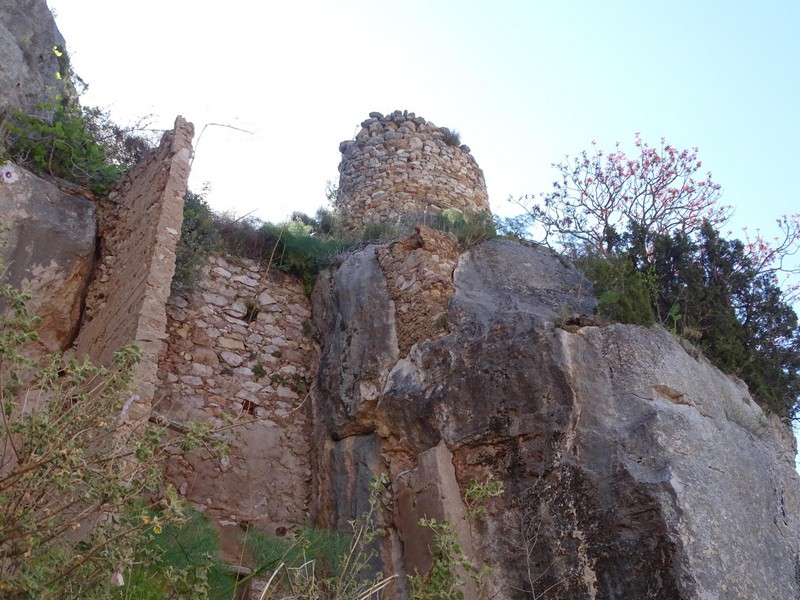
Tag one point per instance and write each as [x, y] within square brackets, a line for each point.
[241, 346]
[419, 279]
[402, 165]
[140, 226]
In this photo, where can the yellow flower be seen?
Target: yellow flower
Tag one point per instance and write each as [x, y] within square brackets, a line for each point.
[145, 519]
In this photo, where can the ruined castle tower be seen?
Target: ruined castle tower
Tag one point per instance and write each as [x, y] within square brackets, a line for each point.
[402, 166]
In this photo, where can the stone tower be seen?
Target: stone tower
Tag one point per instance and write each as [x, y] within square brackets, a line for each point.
[401, 166]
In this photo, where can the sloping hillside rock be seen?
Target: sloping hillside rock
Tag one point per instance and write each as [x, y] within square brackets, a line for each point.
[28, 34]
[632, 468]
[49, 247]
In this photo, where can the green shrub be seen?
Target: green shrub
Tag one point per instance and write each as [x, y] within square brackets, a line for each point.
[74, 522]
[736, 314]
[185, 564]
[327, 548]
[469, 227]
[623, 295]
[379, 231]
[442, 580]
[298, 247]
[80, 145]
[302, 246]
[199, 237]
[706, 289]
[322, 564]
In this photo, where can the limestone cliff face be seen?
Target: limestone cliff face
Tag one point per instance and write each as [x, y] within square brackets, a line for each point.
[28, 34]
[47, 236]
[48, 246]
[632, 467]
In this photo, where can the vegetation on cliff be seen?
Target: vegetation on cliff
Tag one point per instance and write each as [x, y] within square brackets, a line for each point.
[303, 245]
[83, 502]
[80, 145]
[645, 229]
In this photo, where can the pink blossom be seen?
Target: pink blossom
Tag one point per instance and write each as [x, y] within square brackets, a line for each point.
[9, 173]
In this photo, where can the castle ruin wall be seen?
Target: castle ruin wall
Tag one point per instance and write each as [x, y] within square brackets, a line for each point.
[140, 228]
[400, 166]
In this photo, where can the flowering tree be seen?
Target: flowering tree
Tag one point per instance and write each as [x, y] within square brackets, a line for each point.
[645, 229]
[774, 257]
[601, 196]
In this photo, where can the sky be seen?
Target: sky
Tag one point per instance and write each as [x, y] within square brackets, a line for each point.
[525, 82]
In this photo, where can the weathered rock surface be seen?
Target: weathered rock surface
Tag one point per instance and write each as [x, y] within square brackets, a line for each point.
[28, 34]
[632, 468]
[49, 247]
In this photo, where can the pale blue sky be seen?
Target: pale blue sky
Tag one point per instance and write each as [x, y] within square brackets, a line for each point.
[525, 83]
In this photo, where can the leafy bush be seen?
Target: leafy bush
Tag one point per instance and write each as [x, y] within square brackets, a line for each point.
[298, 252]
[622, 291]
[298, 247]
[75, 472]
[442, 580]
[80, 145]
[711, 290]
[708, 290]
[302, 246]
[123, 145]
[199, 236]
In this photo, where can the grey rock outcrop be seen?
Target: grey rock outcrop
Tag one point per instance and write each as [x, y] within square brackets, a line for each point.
[49, 247]
[632, 467]
[28, 34]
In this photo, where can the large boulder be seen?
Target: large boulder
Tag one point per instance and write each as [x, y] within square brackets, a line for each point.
[632, 467]
[49, 246]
